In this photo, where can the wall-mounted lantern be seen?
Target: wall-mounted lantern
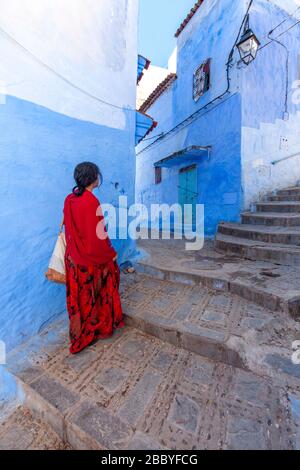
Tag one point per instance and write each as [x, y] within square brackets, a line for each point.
[248, 44]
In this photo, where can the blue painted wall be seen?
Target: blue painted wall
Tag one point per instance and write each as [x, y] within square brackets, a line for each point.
[39, 150]
[245, 128]
[219, 178]
[63, 105]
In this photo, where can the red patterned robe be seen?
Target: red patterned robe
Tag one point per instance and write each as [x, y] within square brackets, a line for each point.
[92, 277]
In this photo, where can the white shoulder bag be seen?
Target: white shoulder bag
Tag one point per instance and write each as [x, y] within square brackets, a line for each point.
[56, 269]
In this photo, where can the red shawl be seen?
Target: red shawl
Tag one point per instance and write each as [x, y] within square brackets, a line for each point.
[83, 218]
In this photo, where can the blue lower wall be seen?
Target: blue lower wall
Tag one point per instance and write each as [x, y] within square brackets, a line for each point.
[219, 177]
[39, 150]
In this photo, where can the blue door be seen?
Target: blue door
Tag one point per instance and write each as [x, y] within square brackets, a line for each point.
[188, 192]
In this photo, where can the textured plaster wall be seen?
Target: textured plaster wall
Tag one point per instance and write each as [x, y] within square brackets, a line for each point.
[48, 126]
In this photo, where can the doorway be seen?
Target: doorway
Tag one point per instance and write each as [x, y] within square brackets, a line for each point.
[188, 192]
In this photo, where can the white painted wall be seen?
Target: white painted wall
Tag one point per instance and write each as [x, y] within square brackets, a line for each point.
[153, 76]
[172, 62]
[269, 133]
[91, 43]
[289, 5]
[273, 142]
[150, 80]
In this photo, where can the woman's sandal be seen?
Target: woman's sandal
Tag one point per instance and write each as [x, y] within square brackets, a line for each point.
[127, 268]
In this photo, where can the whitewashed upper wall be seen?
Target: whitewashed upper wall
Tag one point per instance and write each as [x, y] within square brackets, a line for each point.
[92, 43]
[288, 5]
[270, 128]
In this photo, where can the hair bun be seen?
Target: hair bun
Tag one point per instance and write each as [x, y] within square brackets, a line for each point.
[78, 190]
[85, 174]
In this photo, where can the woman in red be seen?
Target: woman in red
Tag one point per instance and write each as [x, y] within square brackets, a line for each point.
[92, 272]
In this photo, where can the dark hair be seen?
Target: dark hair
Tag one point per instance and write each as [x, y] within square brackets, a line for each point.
[85, 174]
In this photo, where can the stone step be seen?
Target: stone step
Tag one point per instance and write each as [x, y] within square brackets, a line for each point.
[23, 431]
[137, 392]
[289, 191]
[198, 320]
[282, 254]
[284, 198]
[281, 235]
[279, 206]
[242, 282]
[271, 219]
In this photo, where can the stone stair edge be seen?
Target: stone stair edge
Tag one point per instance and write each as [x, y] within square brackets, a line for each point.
[59, 421]
[258, 244]
[283, 215]
[269, 229]
[277, 203]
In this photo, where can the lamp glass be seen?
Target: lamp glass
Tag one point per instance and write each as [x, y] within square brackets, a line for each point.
[248, 47]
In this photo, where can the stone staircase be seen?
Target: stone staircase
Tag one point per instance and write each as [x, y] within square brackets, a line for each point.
[204, 361]
[192, 369]
[271, 233]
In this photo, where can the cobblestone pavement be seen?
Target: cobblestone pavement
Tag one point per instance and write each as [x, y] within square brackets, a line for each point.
[21, 431]
[272, 285]
[135, 391]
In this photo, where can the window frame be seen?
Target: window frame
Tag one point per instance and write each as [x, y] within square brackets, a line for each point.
[197, 77]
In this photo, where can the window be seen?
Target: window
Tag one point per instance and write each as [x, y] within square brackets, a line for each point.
[157, 175]
[201, 80]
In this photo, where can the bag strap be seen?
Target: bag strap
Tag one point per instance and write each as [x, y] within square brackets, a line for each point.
[62, 224]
